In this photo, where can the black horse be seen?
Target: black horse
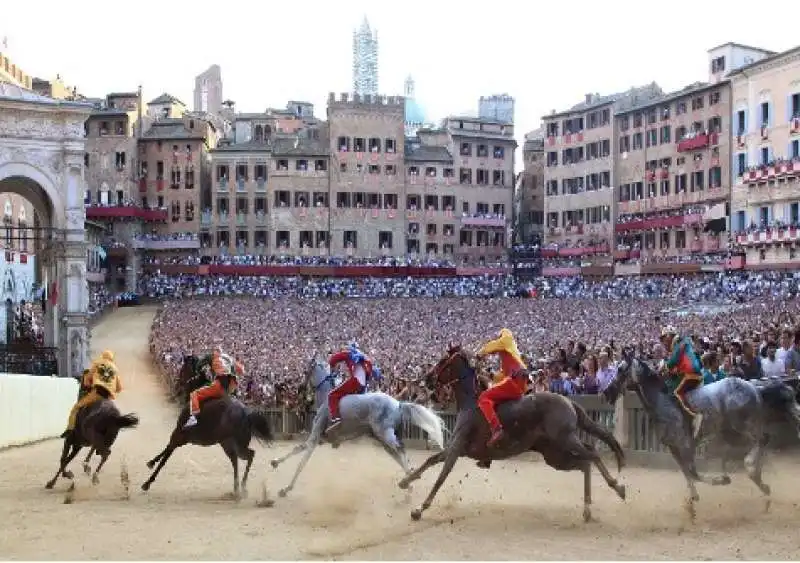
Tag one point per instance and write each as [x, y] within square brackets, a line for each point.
[97, 426]
[224, 421]
[545, 422]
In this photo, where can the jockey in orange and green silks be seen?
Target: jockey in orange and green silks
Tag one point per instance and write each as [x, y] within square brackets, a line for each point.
[685, 370]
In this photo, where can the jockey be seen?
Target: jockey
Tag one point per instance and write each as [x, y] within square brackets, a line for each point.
[225, 372]
[360, 368]
[512, 380]
[712, 371]
[686, 370]
[103, 374]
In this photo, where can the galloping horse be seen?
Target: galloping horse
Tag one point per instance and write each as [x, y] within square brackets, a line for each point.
[377, 414]
[97, 426]
[224, 421]
[732, 411]
[545, 422]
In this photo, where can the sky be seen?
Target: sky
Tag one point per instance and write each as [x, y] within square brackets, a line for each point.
[546, 54]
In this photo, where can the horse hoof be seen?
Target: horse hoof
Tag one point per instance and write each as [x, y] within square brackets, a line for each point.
[403, 484]
[87, 469]
[95, 480]
[68, 475]
[766, 490]
[274, 463]
[767, 505]
[150, 464]
[50, 485]
[416, 514]
[283, 492]
[621, 491]
[145, 487]
[587, 514]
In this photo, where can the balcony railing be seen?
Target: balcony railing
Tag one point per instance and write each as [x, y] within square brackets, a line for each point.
[241, 185]
[483, 221]
[659, 223]
[222, 185]
[697, 142]
[172, 244]
[125, 212]
[205, 219]
[770, 172]
[241, 219]
[769, 236]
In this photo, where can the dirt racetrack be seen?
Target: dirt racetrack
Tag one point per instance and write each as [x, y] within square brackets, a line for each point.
[347, 506]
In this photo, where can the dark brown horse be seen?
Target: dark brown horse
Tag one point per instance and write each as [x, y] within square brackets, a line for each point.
[224, 421]
[97, 426]
[545, 422]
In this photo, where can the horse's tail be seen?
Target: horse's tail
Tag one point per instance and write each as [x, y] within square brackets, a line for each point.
[259, 426]
[426, 419]
[120, 421]
[589, 426]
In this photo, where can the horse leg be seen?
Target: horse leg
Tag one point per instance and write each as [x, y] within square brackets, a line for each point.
[451, 456]
[230, 451]
[690, 473]
[251, 454]
[86, 467]
[296, 450]
[311, 445]
[754, 462]
[176, 441]
[436, 458]
[104, 455]
[158, 458]
[601, 467]
[66, 457]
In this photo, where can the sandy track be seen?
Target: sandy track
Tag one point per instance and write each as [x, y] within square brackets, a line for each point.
[518, 510]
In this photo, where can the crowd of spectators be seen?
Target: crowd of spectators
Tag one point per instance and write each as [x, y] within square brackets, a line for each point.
[571, 333]
[273, 260]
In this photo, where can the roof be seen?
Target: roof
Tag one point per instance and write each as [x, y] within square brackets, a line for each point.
[108, 112]
[689, 90]
[166, 99]
[172, 129]
[123, 95]
[476, 119]
[427, 153]
[742, 46]
[9, 91]
[249, 146]
[648, 91]
[299, 146]
[773, 57]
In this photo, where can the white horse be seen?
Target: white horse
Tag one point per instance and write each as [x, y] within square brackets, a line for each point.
[377, 414]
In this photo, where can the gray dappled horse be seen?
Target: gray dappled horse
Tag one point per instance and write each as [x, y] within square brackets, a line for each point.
[732, 412]
[377, 414]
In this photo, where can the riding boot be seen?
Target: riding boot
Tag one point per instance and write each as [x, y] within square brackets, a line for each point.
[191, 421]
[497, 435]
[697, 425]
[333, 425]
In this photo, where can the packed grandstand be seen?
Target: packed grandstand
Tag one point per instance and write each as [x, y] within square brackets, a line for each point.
[571, 331]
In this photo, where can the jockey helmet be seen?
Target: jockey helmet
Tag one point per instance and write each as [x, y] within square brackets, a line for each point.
[505, 333]
[354, 344]
[668, 330]
[108, 355]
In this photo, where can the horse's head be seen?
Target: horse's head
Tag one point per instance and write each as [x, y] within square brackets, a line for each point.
[316, 371]
[631, 373]
[453, 366]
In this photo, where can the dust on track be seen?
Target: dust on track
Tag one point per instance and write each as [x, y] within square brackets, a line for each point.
[347, 505]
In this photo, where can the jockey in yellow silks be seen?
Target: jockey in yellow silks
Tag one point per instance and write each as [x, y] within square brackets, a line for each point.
[103, 374]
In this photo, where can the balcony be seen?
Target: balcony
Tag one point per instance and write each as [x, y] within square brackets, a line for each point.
[561, 272]
[241, 185]
[261, 185]
[674, 201]
[171, 244]
[241, 219]
[696, 143]
[495, 222]
[261, 218]
[769, 236]
[659, 223]
[794, 126]
[222, 185]
[160, 184]
[142, 185]
[587, 250]
[771, 172]
[125, 212]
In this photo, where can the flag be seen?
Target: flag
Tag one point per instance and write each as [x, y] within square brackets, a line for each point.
[715, 218]
[53, 293]
[23, 258]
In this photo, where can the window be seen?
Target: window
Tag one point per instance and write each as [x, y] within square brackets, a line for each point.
[483, 151]
[499, 152]
[301, 165]
[320, 165]
[698, 181]
[794, 149]
[430, 172]
[795, 106]
[680, 108]
[282, 239]
[189, 177]
[385, 240]
[281, 198]
[713, 98]
[374, 145]
[222, 172]
[637, 141]
[390, 170]
[697, 103]
[344, 144]
[482, 177]
[741, 164]
[350, 239]
[389, 146]
[666, 134]
[160, 170]
[765, 156]
[741, 127]
[765, 114]
[465, 176]
[119, 160]
[718, 65]
[498, 177]
[261, 172]
[359, 144]
[466, 149]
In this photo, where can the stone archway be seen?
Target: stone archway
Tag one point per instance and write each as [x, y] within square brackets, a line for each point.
[41, 159]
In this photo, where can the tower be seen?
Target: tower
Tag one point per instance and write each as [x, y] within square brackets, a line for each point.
[365, 60]
[208, 91]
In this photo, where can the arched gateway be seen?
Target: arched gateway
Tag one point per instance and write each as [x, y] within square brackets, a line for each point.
[41, 159]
